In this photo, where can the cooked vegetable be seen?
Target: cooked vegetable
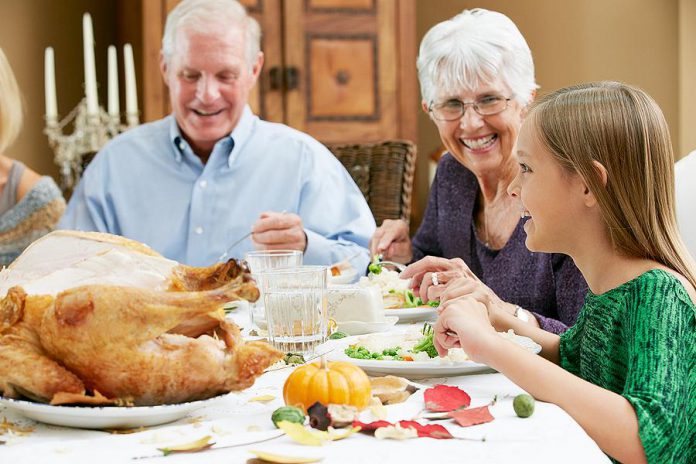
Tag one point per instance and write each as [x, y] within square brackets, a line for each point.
[374, 267]
[288, 414]
[294, 358]
[426, 344]
[360, 352]
[337, 335]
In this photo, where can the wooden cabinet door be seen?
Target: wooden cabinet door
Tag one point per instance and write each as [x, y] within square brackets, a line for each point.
[346, 57]
[354, 64]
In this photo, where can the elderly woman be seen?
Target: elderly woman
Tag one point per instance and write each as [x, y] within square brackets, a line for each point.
[30, 205]
[477, 78]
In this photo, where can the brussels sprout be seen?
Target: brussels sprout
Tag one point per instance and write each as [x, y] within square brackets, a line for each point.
[523, 405]
[288, 414]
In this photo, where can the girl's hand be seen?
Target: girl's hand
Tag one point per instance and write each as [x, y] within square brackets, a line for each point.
[477, 290]
[421, 275]
[464, 323]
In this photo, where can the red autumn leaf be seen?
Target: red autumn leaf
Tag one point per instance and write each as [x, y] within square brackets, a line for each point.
[473, 416]
[370, 426]
[430, 430]
[445, 398]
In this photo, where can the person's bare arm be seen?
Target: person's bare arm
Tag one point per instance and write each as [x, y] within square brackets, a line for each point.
[608, 418]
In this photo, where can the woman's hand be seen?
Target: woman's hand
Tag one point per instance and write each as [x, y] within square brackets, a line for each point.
[422, 280]
[391, 240]
[464, 323]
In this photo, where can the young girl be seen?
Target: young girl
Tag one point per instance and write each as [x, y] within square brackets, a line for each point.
[597, 183]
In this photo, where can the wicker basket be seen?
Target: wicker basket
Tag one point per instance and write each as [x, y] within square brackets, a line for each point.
[384, 173]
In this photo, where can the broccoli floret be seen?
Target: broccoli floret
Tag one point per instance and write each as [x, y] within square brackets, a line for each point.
[426, 344]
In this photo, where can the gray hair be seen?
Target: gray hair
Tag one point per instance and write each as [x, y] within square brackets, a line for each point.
[197, 15]
[472, 49]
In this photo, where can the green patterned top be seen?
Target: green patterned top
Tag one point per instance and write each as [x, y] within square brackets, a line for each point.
[639, 340]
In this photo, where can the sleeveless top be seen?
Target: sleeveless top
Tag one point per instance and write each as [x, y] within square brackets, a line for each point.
[639, 340]
[9, 193]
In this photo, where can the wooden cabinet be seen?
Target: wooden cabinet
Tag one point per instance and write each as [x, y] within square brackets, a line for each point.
[340, 70]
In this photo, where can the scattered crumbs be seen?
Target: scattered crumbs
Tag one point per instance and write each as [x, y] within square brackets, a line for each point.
[14, 428]
[125, 431]
[221, 431]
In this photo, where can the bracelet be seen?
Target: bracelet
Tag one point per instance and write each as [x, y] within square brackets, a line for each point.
[521, 314]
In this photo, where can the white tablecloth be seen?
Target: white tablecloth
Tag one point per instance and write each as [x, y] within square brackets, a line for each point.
[550, 435]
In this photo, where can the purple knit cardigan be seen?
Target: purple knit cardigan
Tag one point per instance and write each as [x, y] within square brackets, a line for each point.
[549, 285]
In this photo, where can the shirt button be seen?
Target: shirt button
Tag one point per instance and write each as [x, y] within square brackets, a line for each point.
[203, 184]
[198, 230]
[181, 146]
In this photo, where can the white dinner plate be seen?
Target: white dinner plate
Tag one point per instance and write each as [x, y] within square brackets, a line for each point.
[416, 369]
[360, 327]
[421, 313]
[104, 417]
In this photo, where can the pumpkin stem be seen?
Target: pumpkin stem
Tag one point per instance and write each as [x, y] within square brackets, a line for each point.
[322, 361]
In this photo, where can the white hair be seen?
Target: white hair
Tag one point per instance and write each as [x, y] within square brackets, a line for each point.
[472, 49]
[197, 15]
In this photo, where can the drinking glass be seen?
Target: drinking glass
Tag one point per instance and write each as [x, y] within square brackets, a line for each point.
[295, 307]
[263, 260]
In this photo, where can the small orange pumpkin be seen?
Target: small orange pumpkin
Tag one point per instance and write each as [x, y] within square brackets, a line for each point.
[329, 383]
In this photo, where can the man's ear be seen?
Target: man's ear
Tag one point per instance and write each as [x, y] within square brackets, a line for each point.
[258, 65]
[590, 198]
[163, 68]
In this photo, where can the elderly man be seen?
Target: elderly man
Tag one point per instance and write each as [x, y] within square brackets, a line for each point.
[193, 183]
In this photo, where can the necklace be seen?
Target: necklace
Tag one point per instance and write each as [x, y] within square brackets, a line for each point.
[490, 240]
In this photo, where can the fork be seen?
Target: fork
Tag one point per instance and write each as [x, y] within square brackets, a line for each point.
[399, 267]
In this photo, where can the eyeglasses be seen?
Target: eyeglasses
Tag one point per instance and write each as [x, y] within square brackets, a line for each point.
[454, 109]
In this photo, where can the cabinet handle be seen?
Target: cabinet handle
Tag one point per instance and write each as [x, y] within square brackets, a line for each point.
[342, 77]
[292, 78]
[276, 78]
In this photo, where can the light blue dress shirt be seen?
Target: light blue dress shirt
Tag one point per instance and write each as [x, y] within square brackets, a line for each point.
[148, 185]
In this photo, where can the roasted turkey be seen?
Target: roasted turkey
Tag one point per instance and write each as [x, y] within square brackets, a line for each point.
[96, 318]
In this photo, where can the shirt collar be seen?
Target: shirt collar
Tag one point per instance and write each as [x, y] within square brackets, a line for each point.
[176, 138]
[240, 134]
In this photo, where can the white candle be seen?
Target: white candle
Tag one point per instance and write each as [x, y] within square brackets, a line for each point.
[113, 106]
[131, 93]
[90, 70]
[50, 86]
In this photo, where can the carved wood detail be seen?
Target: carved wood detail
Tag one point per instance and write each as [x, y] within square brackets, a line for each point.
[341, 6]
[330, 57]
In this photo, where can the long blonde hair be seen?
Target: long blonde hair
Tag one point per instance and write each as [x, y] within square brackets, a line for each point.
[10, 105]
[624, 129]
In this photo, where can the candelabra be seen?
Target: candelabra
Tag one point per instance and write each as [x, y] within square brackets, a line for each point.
[73, 151]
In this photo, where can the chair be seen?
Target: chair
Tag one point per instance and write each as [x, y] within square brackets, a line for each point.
[384, 173]
[685, 183]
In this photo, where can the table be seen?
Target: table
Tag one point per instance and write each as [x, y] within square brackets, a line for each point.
[550, 435]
